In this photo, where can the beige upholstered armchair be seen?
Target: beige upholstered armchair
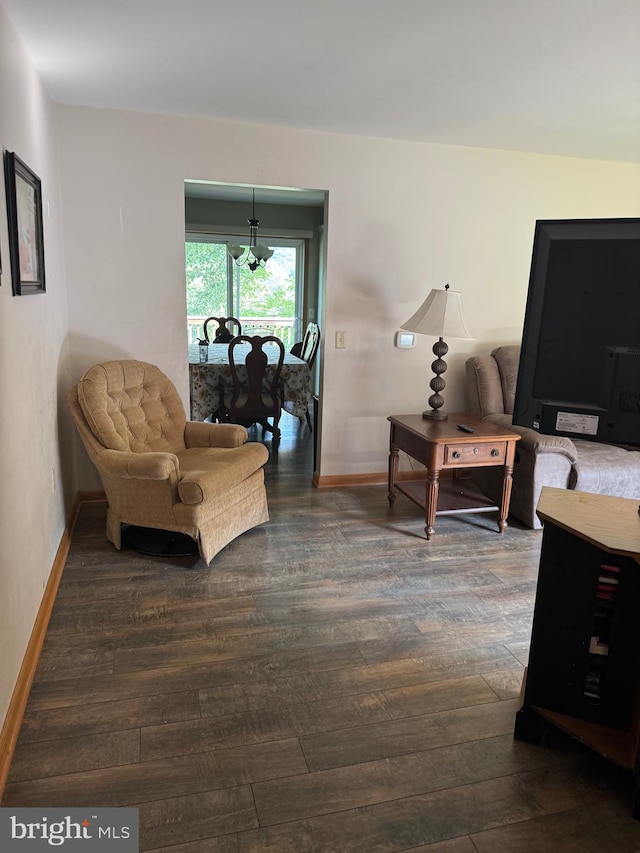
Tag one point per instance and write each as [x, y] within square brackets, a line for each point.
[542, 460]
[160, 470]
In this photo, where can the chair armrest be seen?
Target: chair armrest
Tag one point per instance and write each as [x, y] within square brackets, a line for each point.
[536, 442]
[554, 444]
[199, 487]
[200, 434]
[220, 479]
[539, 443]
[154, 465]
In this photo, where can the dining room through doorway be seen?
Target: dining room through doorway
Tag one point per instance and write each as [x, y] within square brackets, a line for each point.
[279, 296]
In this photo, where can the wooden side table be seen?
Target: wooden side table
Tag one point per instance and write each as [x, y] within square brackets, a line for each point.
[440, 445]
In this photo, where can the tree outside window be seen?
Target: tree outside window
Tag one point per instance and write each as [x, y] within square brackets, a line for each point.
[265, 297]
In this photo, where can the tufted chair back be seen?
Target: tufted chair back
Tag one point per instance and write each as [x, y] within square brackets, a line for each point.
[132, 406]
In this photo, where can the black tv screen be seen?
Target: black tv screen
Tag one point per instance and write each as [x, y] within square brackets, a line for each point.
[579, 372]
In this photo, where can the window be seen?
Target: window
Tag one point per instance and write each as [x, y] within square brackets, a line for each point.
[268, 299]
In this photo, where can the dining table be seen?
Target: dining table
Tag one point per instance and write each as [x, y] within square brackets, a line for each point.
[207, 377]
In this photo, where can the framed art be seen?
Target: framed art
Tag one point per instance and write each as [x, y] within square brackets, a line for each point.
[24, 217]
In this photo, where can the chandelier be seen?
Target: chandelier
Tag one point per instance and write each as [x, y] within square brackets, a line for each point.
[257, 254]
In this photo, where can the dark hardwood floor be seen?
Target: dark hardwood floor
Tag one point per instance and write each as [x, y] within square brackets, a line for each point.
[332, 683]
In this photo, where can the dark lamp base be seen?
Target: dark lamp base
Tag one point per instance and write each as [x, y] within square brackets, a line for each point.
[435, 415]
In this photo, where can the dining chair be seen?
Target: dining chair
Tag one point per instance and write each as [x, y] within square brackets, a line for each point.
[223, 334]
[310, 344]
[256, 396]
[307, 349]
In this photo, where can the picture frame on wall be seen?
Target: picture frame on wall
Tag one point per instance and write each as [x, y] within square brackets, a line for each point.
[24, 218]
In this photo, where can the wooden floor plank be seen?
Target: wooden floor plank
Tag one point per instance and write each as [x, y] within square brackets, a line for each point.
[357, 785]
[183, 819]
[192, 676]
[412, 734]
[90, 752]
[418, 699]
[161, 741]
[155, 780]
[95, 717]
[575, 831]
[400, 824]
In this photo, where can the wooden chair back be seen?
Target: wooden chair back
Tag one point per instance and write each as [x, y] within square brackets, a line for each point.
[259, 397]
[222, 333]
[310, 344]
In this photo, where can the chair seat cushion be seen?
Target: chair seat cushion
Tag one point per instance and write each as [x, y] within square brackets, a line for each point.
[606, 469]
[209, 472]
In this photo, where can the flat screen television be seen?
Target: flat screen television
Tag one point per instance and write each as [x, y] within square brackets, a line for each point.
[579, 372]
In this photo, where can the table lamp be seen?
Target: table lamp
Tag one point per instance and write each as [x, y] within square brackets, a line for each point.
[439, 315]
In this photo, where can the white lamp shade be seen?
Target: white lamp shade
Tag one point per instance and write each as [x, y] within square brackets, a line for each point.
[261, 252]
[235, 251]
[440, 315]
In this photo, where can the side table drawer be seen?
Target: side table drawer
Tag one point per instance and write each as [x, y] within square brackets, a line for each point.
[475, 454]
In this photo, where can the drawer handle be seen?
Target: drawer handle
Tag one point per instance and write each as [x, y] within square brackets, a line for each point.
[456, 454]
[495, 452]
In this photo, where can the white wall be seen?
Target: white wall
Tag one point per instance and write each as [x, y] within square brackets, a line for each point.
[402, 218]
[35, 461]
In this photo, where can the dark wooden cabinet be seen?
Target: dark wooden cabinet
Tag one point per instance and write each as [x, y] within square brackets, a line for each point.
[583, 674]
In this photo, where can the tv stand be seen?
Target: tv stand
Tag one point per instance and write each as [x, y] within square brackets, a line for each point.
[583, 675]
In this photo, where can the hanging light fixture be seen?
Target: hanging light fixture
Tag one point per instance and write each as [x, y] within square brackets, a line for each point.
[257, 254]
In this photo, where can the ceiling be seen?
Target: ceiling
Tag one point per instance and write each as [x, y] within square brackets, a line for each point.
[264, 195]
[550, 76]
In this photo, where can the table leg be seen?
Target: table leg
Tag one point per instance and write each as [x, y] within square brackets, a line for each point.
[393, 471]
[431, 501]
[507, 482]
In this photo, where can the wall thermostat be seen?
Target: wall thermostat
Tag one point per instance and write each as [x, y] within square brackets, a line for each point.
[405, 339]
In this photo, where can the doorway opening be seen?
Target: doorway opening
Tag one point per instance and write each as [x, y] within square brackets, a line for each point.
[283, 296]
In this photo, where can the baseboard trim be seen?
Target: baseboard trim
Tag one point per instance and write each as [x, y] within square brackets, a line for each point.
[334, 481]
[87, 497]
[18, 704]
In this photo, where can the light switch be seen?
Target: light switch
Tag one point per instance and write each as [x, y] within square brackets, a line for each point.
[340, 344]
